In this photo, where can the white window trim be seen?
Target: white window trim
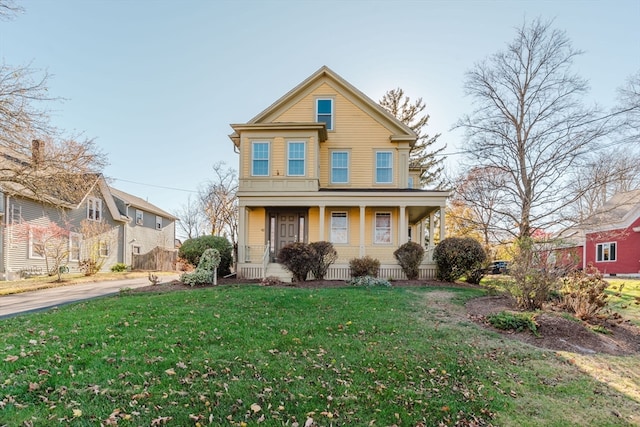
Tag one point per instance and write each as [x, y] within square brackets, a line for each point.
[602, 251]
[32, 253]
[105, 244]
[158, 222]
[346, 215]
[253, 144]
[375, 167]
[348, 166]
[332, 123]
[72, 236]
[304, 158]
[16, 214]
[375, 235]
[139, 217]
[133, 249]
[97, 209]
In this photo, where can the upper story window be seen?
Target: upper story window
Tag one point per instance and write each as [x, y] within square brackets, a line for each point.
[606, 252]
[158, 222]
[295, 161]
[339, 167]
[324, 112]
[339, 228]
[382, 227]
[260, 159]
[16, 214]
[384, 167]
[94, 209]
[139, 217]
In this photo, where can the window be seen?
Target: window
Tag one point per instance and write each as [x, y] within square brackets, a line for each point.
[16, 214]
[296, 159]
[36, 246]
[324, 112]
[136, 249]
[410, 182]
[260, 159]
[339, 228]
[74, 246]
[94, 209]
[339, 167]
[103, 249]
[384, 167]
[383, 228]
[606, 252]
[158, 222]
[139, 217]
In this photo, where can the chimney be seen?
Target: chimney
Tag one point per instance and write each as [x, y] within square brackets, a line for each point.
[37, 152]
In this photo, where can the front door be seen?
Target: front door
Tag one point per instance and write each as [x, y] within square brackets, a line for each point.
[286, 227]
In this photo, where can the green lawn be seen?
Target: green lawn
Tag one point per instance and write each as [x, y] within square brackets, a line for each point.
[250, 355]
[624, 298]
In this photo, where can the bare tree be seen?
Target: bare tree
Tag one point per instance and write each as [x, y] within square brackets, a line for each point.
[530, 124]
[422, 154]
[629, 98]
[192, 219]
[8, 9]
[220, 204]
[478, 199]
[37, 159]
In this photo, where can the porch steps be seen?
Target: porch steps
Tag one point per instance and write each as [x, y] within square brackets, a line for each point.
[276, 270]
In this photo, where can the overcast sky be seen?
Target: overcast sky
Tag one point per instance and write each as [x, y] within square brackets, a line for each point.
[157, 83]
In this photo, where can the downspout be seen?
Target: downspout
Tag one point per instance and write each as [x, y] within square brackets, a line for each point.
[125, 244]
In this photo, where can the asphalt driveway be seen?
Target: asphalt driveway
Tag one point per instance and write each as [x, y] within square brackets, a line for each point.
[28, 302]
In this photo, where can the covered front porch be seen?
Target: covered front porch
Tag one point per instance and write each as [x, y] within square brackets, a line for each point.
[357, 223]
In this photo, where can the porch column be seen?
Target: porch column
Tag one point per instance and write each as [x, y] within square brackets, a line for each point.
[321, 225]
[402, 236]
[362, 252]
[442, 236]
[431, 229]
[242, 234]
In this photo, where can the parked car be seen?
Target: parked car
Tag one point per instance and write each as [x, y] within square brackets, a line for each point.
[498, 267]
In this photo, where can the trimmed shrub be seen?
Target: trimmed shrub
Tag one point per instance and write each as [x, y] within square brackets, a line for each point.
[324, 255]
[298, 258]
[455, 256]
[197, 278]
[369, 281]
[584, 293]
[514, 321]
[119, 267]
[365, 266]
[409, 257]
[192, 249]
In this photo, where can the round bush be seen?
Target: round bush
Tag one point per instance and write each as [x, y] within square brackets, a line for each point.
[409, 257]
[456, 256]
[365, 266]
[192, 249]
[325, 255]
[298, 258]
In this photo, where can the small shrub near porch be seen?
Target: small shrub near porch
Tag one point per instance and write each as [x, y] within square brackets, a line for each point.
[409, 256]
[298, 258]
[365, 266]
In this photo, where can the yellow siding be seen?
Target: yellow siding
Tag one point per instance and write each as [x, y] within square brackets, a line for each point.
[314, 225]
[256, 227]
[354, 130]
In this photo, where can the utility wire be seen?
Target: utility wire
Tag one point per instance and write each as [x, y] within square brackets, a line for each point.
[153, 185]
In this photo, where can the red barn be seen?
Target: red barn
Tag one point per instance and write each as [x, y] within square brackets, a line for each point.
[612, 236]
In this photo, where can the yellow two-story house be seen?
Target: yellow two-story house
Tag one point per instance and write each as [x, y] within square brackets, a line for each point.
[327, 163]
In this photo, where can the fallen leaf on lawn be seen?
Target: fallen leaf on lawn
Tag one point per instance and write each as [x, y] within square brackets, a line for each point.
[77, 413]
[170, 371]
[11, 358]
[256, 408]
[160, 421]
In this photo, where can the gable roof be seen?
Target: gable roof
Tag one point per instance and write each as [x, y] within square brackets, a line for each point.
[620, 211]
[139, 203]
[401, 132]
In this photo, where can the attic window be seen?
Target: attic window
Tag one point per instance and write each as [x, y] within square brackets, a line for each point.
[94, 209]
[324, 112]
